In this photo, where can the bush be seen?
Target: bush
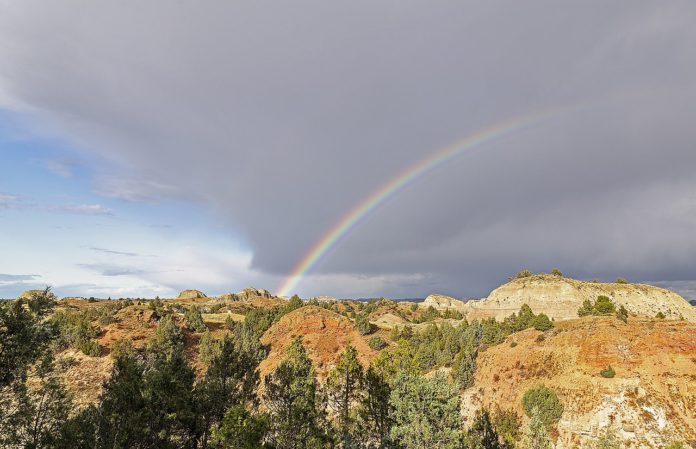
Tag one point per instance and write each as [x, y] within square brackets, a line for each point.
[621, 281]
[675, 445]
[507, 423]
[556, 272]
[430, 314]
[608, 372]
[622, 314]
[602, 306]
[377, 343]
[464, 367]
[75, 330]
[545, 401]
[660, 315]
[513, 344]
[542, 322]
[362, 323]
[90, 348]
[294, 304]
[194, 319]
[524, 274]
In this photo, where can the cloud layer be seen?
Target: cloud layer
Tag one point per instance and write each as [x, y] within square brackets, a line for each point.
[281, 118]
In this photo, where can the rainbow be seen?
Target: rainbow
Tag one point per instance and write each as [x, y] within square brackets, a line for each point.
[398, 183]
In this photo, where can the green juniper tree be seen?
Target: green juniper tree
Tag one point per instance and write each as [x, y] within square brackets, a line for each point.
[426, 412]
[231, 379]
[376, 412]
[291, 397]
[482, 434]
[343, 390]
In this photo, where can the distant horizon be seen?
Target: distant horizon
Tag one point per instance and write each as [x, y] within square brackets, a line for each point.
[690, 296]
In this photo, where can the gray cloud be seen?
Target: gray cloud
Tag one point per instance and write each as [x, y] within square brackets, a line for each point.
[280, 119]
[81, 209]
[117, 253]
[17, 277]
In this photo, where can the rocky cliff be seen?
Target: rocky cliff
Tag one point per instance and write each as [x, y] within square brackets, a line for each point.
[560, 298]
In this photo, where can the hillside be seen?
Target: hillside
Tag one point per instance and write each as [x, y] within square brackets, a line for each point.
[560, 298]
[324, 334]
[651, 400]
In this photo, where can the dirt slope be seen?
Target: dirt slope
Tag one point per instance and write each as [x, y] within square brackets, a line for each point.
[650, 401]
[324, 334]
[560, 298]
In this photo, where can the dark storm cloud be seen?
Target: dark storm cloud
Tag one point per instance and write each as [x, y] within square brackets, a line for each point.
[281, 117]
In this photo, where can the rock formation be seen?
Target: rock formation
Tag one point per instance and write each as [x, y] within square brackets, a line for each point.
[191, 294]
[29, 293]
[443, 302]
[560, 298]
[251, 292]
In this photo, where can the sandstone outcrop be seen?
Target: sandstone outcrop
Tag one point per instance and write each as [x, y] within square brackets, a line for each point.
[191, 294]
[29, 293]
[444, 302]
[560, 298]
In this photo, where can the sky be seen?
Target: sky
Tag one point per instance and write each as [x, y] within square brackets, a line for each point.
[150, 147]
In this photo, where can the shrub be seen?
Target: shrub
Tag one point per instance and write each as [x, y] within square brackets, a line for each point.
[194, 319]
[507, 423]
[545, 401]
[524, 274]
[608, 372]
[675, 445]
[513, 344]
[362, 323]
[89, 347]
[414, 307]
[542, 322]
[660, 315]
[215, 308]
[540, 338]
[377, 343]
[556, 272]
[604, 306]
[621, 281]
[294, 304]
[622, 314]
[207, 348]
[464, 366]
[430, 314]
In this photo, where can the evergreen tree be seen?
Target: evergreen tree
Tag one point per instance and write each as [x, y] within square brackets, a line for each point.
[291, 397]
[231, 380]
[39, 411]
[536, 437]
[123, 415]
[194, 319]
[168, 388]
[426, 413]
[240, 429]
[375, 409]
[30, 415]
[343, 390]
[482, 434]
[544, 402]
[507, 423]
[464, 366]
